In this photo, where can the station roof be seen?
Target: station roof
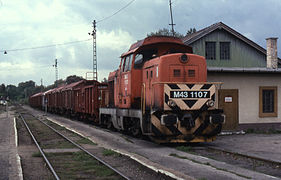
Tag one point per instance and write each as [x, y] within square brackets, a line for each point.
[244, 70]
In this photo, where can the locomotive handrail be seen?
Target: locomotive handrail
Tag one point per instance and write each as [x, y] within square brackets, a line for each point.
[143, 99]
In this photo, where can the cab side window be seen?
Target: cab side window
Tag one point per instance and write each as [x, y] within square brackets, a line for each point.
[123, 63]
[128, 63]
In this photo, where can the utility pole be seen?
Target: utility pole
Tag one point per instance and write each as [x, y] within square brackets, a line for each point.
[172, 21]
[56, 72]
[95, 65]
[41, 84]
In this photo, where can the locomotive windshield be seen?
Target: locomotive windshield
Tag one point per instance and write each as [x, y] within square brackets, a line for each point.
[143, 56]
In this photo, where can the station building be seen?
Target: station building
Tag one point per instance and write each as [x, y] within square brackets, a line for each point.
[251, 76]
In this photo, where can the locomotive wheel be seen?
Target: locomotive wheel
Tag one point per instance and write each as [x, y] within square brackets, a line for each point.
[135, 130]
[109, 125]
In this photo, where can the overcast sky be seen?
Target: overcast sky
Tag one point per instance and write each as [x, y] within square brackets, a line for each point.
[27, 24]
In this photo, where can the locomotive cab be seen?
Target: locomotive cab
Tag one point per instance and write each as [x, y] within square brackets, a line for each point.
[129, 77]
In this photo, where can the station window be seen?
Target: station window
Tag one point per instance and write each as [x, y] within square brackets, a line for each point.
[210, 50]
[268, 101]
[225, 50]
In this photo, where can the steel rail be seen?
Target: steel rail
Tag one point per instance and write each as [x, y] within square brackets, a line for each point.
[38, 146]
[83, 149]
[245, 156]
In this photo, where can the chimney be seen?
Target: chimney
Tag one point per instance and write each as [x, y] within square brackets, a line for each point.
[271, 53]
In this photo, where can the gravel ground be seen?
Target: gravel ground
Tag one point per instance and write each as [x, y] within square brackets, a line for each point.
[34, 168]
[8, 151]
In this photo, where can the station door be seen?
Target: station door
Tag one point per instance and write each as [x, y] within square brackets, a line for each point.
[228, 101]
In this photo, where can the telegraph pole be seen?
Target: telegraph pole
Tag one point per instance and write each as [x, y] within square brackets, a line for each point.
[172, 21]
[95, 66]
[56, 72]
[41, 85]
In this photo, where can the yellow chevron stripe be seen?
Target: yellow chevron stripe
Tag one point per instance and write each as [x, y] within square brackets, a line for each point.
[163, 129]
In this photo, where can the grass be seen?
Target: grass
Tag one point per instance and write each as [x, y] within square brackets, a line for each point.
[263, 131]
[82, 140]
[184, 148]
[79, 165]
[59, 144]
[109, 152]
[86, 141]
[208, 164]
[178, 156]
[37, 154]
[183, 157]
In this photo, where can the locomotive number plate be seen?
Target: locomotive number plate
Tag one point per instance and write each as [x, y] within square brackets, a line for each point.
[189, 94]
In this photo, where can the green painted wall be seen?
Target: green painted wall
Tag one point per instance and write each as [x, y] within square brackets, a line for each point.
[241, 54]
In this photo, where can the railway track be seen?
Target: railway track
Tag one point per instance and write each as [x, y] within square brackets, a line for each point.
[250, 162]
[30, 121]
[214, 162]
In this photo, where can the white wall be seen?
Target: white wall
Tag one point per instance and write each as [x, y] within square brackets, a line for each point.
[248, 91]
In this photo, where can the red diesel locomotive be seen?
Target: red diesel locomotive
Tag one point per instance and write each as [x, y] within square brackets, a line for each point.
[160, 90]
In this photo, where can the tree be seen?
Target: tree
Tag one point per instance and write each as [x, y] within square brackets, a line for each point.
[59, 82]
[190, 31]
[73, 78]
[2, 90]
[165, 32]
[12, 92]
[25, 89]
[104, 80]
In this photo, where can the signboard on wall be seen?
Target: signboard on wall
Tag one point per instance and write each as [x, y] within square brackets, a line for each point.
[228, 99]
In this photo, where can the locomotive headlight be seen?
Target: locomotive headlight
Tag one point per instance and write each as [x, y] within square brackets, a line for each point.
[210, 103]
[184, 58]
[171, 103]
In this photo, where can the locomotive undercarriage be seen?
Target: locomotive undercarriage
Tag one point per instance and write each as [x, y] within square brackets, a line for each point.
[128, 120]
[165, 126]
[186, 126]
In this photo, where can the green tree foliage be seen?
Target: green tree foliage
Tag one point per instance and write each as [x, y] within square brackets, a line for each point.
[2, 91]
[12, 92]
[22, 92]
[73, 78]
[165, 32]
[190, 31]
[25, 89]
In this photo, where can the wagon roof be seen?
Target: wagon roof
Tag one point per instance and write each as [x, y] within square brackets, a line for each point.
[37, 94]
[72, 85]
[48, 92]
[58, 89]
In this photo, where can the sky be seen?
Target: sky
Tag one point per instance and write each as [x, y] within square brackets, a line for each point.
[36, 32]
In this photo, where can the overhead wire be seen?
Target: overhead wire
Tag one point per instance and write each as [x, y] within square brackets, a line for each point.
[116, 12]
[46, 46]
[67, 43]
[24, 68]
[62, 44]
